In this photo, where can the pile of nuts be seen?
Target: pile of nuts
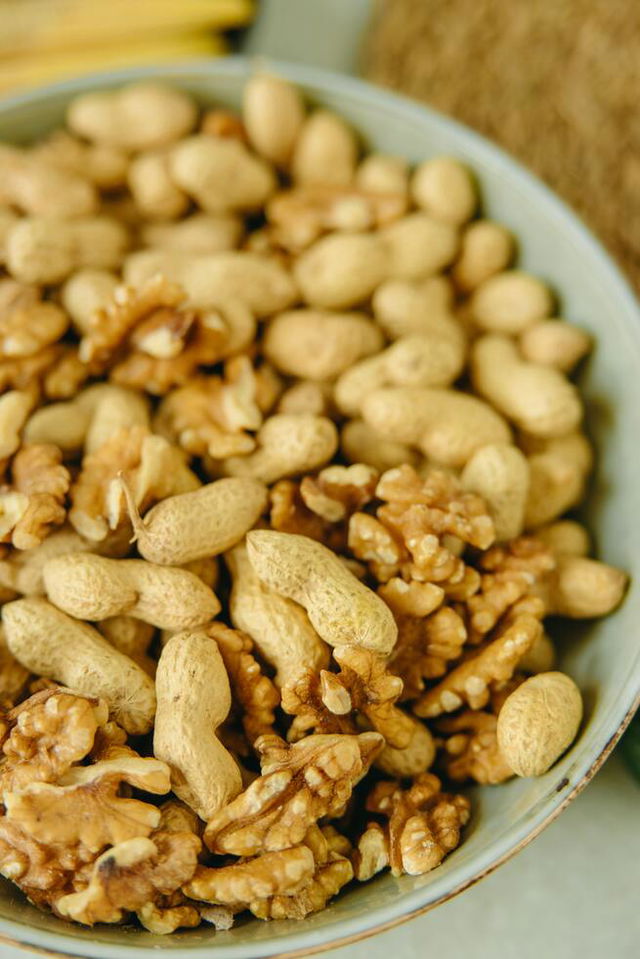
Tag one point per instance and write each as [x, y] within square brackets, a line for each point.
[287, 445]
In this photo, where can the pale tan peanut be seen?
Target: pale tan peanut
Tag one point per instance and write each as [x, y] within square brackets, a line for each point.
[509, 302]
[273, 113]
[68, 424]
[39, 188]
[140, 116]
[414, 759]
[566, 537]
[499, 473]
[558, 470]
[221, 174]
[445, 425]
[356, 383]
[92, 587]
[22, 570]
[194, 698]
[85, 292]
[538, 721]
[341, 270]
[418, 246]
[487, 248]
[403, 307]
[103, 165]
[131, 637]
[339, 607]
[582, 588]
[191, 526]
[433, 358]
[445, 188]
[53, 645]
[325, 152]
[198, 233]
[381, 173]
[156, 195]
[288, 445]
[46, 250]
[361, 444]
[117, 409]
[554, 343]
[15, 407]
[217, 279]
[319, 345]
[540, 658]
[538, 399]
[279, 627]
[306, 396]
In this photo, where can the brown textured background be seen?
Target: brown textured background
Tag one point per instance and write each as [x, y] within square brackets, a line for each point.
[555, 82]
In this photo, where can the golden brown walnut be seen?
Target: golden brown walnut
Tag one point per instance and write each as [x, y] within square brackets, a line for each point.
[426, 646]
[36, 500]
[337, 491]
[316, 704]
[424, 823]
[255, 693]
[84, 808]
[290, 514]
[332, 871]
[283, 872]
[42, 872]
[415, 524]
[49, 732]
[508, 573]
[299, 216]
[27, 323]
[131, 875]
[212, 415]
[471, 682]
[154, 307]
[169, 913]
[371, 854]
[373, 692]
[300, 784]
[151, 466]
[471, 748]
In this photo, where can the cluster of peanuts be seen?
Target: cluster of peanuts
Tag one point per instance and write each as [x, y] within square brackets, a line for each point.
[287, 446]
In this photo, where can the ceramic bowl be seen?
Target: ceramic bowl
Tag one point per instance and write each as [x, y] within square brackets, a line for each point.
[603, 656]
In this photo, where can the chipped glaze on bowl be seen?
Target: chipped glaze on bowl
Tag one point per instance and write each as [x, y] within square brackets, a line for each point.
[604, 657]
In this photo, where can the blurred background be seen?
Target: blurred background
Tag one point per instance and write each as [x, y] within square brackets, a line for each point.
[556, 82]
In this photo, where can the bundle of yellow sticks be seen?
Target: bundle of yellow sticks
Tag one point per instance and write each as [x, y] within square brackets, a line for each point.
[42, 40]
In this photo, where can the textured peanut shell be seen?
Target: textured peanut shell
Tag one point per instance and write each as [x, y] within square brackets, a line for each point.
[538, 399]
[203, 523]
[317, 344]
[279, 628]
[445, 425]
[92, 587]
[582, 588]
[499, 473]
[53, 645]
[538, 721]
[193, 699]
[340, 608]
[288, 444]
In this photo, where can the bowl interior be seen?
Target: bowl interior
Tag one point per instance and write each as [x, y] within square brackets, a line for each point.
[603, 657]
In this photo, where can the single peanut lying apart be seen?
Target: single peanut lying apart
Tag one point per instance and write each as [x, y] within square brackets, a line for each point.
[239, 354]
[538, 721]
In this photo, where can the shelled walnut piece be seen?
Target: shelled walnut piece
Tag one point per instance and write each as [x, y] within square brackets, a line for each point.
[389, 578]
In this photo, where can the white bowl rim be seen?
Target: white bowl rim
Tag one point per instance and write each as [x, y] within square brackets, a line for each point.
[345, 931]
